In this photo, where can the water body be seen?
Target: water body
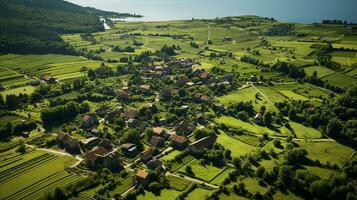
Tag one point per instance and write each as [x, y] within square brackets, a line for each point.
[305, 11]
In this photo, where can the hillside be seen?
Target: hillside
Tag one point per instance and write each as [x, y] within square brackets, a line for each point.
[28, 26]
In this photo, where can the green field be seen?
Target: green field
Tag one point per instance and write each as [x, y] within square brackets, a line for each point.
[237, 147]
[203, 172]
[31, 175]
[331, 152]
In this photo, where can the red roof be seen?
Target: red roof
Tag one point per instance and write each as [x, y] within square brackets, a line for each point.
[179, 139]
[142, 174]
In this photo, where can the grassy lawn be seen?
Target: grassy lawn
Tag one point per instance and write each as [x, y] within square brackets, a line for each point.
[219, 179]
[237, 147]
[321, 172]
[302, 131]
[177, 183]
[198, 193]
[164, 195]
[339, 79]
[31, 175]
[170, 156]
[332, 152]
[250, 127]
[321, 71]
[206, 173]
[124, 185]
[24, 90]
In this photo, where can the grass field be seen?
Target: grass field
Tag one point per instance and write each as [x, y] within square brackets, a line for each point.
[24, 90]
[339, 79]
[198, 193]
[179, 184]
[164, 195]
[250, 127]
[331, 152]
[302, 131]
[31, 175]
[237, 147]
[206, 173]
[321, 71]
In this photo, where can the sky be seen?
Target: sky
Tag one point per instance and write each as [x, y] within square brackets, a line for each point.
[306, 11]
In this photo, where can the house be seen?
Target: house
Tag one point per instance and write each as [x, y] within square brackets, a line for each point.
[205, 99]
[130, 113]
[154, 164]
[179, 142]
[142, 177]
[89, 143]
[25, 134]
[88, 121]
[129, 149]
[201, 119]
[258, 118]
[227, 39]
[183, 81]
[106, 144]
[133, 123]
[218, 108]
[165, 93]
[68, 142]
[48, 79]
[144, 87]
[95, 131]
[205, 76]
[202, 143]
[163, 122]
[158, 131]
[152, 108]
[157, 141]
[124, 96]
[100, 157]
[102, 111]
[114, 114]
[183, 128]
[147, 154]
[184, 108]
[189, 84]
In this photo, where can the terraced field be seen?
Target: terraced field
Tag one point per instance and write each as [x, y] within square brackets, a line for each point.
[33, 174]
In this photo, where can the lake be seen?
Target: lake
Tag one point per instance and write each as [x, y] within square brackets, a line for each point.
[305, 11]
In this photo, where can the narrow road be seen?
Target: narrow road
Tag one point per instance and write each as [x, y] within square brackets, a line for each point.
[126, 192]
[261, 93]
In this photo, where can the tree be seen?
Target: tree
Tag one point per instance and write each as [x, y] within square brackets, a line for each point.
[267, 118]
[334, 128]
[59, 194]
[188, 170]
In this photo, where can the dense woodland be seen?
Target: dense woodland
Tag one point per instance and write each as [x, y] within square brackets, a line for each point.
[33, 26]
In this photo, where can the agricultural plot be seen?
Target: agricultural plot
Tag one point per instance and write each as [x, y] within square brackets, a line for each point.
[164, 195]
[31, 175]
[250, 127]
[237, 147]
[203, 172]
[177, 183]
[302, 131]
[24, 90]
[329, 151]
[339, 79]
[198, 193]
[321, 71]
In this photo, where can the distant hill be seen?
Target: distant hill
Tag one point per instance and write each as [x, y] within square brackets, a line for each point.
[32, 26]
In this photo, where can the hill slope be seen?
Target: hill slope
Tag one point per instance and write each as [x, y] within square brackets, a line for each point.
[32, 26]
